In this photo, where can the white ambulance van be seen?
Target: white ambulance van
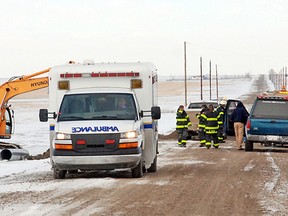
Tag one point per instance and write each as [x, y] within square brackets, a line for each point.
[102, 117]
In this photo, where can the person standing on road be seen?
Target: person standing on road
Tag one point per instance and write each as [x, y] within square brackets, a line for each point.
[220, 110]
[201, 125]
[211, 127]
[239, 117]
[182, 123]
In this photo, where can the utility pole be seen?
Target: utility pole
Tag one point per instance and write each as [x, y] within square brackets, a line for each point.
[210, 79]
[276, 81]
[201, 80]
[283, 77]
[286, 77]
[185, 74]
[216, 83]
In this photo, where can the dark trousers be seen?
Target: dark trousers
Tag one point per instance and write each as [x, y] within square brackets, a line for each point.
[182, 136]
[202, 135]
[220, 133]
[212, 137]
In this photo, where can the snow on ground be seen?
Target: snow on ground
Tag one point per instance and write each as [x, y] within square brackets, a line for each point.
[29, 132]
[273, 197]
[23, 167]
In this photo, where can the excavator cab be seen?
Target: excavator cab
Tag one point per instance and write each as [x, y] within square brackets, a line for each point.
[9, 124]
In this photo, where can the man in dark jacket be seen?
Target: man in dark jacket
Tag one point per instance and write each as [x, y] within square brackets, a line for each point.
[239, 117]
[182, 123]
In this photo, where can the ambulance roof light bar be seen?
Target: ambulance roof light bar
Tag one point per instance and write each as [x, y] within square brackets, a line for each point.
[100, 74]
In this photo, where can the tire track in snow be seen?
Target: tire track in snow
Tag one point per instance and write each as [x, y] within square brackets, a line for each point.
[274, 195]
[249, 166]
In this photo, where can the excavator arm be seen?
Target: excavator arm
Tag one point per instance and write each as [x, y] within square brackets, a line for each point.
[16, 86]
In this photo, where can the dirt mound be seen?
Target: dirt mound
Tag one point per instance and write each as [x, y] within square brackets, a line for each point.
[40, 156]
[173, 135]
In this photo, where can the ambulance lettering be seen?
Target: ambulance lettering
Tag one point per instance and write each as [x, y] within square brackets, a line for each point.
[95, 129]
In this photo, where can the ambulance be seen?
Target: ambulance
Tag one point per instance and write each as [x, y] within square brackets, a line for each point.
[103, 116]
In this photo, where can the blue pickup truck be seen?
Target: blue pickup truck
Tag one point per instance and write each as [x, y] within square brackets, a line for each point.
[268, 121]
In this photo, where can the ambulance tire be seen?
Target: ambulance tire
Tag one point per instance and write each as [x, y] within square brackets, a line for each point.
[59, 174]
[153, 167]
[137, 172]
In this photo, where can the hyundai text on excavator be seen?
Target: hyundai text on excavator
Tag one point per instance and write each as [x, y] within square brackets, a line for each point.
[15, 86]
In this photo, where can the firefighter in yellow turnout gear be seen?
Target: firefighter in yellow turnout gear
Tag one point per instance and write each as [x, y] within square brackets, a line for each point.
[221, 111]
[182, 123]
[211, 127]
[201, 126]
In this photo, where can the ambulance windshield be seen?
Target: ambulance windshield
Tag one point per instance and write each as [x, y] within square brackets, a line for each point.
[98, 106]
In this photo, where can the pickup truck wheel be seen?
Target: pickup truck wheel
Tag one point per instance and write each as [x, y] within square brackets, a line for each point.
[137, 172]
[59, 174]
[144, 169]
[248, 146]
[153, 167]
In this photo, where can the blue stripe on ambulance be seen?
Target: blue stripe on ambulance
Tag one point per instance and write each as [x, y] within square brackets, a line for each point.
[148, 125]
[52, 127]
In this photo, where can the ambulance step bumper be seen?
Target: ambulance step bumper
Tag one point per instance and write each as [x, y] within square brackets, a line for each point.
[105, 162]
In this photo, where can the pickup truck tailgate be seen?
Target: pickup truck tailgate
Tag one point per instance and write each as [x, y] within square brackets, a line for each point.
[269, 127]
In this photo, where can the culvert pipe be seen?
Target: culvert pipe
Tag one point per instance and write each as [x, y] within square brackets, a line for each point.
[14, 154]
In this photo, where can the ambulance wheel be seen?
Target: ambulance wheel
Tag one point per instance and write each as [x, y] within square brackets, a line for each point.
[59, 174]
[153, 167]
[137, 172]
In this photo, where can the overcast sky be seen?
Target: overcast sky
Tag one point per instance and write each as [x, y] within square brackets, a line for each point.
[240, 36]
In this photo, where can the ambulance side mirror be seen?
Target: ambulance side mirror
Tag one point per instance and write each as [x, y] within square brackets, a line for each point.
[44, 115]
[155, 112]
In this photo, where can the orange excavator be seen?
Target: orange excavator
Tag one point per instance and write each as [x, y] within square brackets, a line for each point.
[16, 86]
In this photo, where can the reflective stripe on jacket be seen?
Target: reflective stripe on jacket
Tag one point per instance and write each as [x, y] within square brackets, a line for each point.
[182, 120]
[211, 126]
[202, 120]
[220, 114]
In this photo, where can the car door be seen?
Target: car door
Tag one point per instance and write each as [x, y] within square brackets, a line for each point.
[228, 124]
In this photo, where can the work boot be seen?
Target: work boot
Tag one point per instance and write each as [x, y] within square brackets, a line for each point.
[208, 146]
[202, 145]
